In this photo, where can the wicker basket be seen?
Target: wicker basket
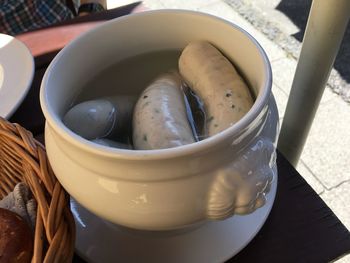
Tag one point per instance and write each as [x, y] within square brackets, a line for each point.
[22, 158]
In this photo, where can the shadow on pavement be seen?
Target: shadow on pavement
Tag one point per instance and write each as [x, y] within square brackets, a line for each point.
[298, 11]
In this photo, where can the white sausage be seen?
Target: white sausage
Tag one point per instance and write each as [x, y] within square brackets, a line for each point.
[225, 95]
[160, 119]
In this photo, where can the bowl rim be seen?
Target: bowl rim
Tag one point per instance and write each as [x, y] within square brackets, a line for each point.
[158, 154]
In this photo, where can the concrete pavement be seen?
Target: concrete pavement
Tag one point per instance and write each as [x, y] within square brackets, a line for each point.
[325, 160]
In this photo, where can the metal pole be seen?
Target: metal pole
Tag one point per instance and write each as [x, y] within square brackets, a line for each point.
[324, 32]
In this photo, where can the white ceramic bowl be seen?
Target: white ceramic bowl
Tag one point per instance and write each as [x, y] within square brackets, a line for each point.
[171, 188]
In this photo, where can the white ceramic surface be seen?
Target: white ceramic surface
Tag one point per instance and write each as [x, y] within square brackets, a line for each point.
[100, 241]
[16, 74]
[226, 174]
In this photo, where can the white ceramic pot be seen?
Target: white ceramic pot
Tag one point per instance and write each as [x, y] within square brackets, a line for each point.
[226, 174]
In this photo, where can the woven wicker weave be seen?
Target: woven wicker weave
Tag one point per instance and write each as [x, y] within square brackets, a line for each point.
[22, 158]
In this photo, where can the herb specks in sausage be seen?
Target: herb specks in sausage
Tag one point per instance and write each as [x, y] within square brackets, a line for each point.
[145, 97]
[145, 104]
[145, 137]
[156, 111]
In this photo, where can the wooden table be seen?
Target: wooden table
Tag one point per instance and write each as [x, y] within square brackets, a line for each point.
[300, 227]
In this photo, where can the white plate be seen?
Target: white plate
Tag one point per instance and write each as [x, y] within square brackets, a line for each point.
[16, 74]
[101, 241]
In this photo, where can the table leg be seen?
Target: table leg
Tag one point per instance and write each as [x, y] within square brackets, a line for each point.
[324, 32]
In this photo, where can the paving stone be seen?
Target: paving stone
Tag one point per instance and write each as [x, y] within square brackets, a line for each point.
[310, 178]
[224, 11]
[267, 9]
[327, 149]
[181, 4]
[328, 96]
[283, 71]
[344, 259]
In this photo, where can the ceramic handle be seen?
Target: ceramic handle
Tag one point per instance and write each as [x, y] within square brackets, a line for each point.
[240, 188]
